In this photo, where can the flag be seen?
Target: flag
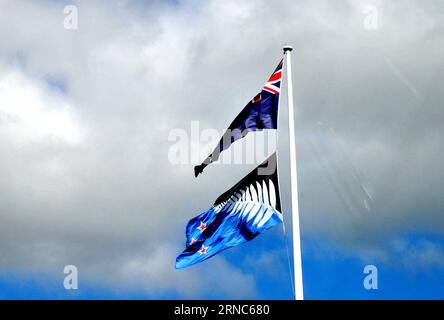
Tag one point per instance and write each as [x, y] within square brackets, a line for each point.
[260, 113]
[238, 215]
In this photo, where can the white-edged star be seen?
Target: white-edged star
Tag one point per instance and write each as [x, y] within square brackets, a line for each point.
[202, 227]
[203, 250]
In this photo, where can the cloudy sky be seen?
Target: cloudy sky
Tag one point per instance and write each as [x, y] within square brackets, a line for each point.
[85, 120]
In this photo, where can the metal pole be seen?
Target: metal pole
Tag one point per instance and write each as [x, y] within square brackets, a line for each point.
[297, 260]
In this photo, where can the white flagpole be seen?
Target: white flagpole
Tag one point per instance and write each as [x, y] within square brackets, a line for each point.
[297, 260]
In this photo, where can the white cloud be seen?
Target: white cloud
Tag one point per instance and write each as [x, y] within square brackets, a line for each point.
[419, 255]
[30, 113]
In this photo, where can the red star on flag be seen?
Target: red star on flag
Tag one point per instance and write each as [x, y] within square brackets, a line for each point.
[203, 250]
[193, 241]
[202, 226]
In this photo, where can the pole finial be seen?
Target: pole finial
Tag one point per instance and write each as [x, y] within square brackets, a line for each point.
[287, 48]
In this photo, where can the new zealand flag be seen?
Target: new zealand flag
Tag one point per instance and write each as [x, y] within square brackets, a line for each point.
[260, 113]
[239, 215]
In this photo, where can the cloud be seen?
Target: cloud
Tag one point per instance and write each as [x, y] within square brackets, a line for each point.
[419, 255]
[31, 114]
[84, 158]
[154, 274]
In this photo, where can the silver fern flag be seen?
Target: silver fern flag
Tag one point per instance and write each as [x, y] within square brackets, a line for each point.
[238, 215]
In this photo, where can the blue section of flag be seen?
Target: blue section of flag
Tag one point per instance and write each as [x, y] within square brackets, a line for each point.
[239, 215]
[260, 113]
[229, 228]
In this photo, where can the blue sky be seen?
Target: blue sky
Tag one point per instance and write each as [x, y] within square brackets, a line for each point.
[328, 274]
[87, 115]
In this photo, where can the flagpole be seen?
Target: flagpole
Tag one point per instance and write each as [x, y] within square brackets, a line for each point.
[297, 259]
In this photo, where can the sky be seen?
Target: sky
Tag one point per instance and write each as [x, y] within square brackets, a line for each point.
[86, 117]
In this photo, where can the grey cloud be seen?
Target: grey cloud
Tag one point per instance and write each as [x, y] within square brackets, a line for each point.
[135, 71]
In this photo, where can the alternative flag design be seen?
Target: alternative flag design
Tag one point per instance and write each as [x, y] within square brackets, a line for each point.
[260, 113]
[239, 215]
